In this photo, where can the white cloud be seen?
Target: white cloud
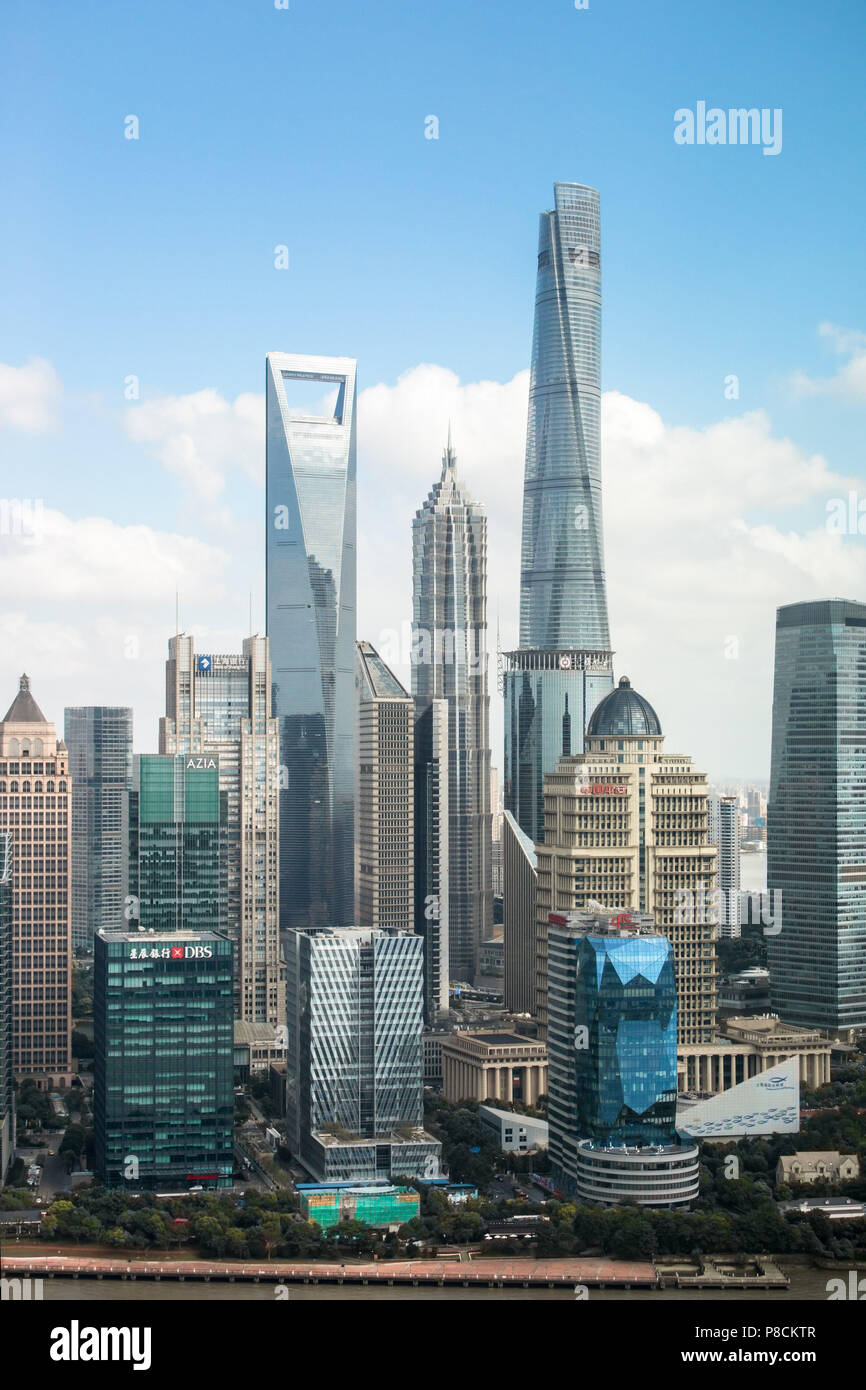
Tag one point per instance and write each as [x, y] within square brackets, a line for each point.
[691, 560]
[701, 547]
[201, 437]
[850, 380]
[29, 396]
[90, 605]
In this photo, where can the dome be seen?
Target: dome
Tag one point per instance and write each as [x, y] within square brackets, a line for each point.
[622, 714]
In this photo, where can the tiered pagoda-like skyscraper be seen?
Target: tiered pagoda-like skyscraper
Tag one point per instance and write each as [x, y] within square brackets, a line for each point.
[449, 661]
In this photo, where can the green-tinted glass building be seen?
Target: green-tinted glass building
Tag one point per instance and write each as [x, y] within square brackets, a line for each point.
[178, 829]
[163, 1034]
[374, 1205]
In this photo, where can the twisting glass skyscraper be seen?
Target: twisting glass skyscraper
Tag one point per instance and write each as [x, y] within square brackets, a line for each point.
[311, 583]
[816, 819]
[449, 661]
[563, 666]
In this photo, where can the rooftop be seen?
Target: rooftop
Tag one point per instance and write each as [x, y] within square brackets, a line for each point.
[624, 714]
[24, 709]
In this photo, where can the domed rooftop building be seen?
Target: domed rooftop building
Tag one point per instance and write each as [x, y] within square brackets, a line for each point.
[624, 714]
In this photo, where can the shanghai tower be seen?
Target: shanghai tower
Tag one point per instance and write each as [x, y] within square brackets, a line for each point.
[311, 581]
[563, 665]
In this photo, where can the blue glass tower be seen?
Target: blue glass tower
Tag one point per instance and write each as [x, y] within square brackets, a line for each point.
[612, 1044]
[816, 819]
[311, 582]
[563, 666]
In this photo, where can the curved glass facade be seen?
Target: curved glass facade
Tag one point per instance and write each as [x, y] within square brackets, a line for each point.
[311, 585]
[548, 698]
[563, 667]
[563, 602]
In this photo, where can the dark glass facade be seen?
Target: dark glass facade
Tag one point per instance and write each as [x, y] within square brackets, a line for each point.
[99, 739]
[163, 1072]
[816, 818]
[178, 821]
[311, 620]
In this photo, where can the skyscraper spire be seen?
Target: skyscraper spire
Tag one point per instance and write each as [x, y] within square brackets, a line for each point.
[449, 656]
[564, 637]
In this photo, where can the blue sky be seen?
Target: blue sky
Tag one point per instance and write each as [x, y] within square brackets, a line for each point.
[305, 127]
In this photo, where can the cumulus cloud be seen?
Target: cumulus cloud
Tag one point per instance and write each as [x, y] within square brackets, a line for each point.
[704, 538]
[849, 382]
[201, 437]
[29, 396]
[695, 571]
[89, 606]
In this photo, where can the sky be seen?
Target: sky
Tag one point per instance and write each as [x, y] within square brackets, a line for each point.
[145, 279]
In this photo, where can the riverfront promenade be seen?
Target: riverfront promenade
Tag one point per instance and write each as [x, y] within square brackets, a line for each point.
[485, 1270]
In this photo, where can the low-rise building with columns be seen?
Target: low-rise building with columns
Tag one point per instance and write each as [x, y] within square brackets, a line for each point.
[493, 1066]
[746, 1047]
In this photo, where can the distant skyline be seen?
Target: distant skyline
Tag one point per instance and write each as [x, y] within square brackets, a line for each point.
[141, 297]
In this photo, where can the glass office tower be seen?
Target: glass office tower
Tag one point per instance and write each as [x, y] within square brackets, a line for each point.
[99, 739]
[563, 666]
[178, 823]
[449, 662]
[612, 1044]
[163, 1101]
[354, 1089]
[310, 572]
[816, 820]
[219, 704]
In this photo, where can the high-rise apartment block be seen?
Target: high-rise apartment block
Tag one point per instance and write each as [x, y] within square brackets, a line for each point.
[35, 805]
[725, 835]
[449, 661]
[354, 1091]
[178, 819]
[384, 814]
[563, 665]
[163, 1100]
[218, 706]
[816, 820]
[311, 602]
[99, 739]
[627, 826]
